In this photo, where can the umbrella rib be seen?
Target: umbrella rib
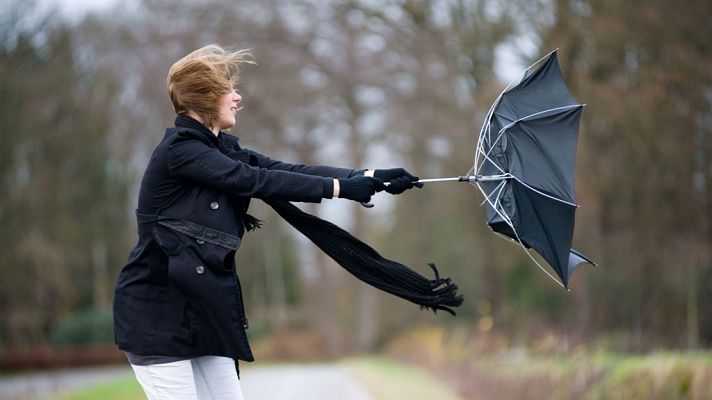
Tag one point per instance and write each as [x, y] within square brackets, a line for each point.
[486, 127]
[480, 150]
[505, 217]
[518, 242]
[535, 114]
[542, 193]
[486, 155]
[537, 262]
[480, 140]
[554, 168]
[487, 158]
[496, 189]
[470, 171]
[497, 202]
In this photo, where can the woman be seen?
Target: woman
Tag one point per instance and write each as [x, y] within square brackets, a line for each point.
[178, 308]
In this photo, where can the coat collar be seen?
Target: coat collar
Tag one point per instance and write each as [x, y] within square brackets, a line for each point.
[184, 121]
[223, 140]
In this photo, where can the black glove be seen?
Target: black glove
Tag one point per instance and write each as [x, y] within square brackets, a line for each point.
[359, 188]
[400, 180]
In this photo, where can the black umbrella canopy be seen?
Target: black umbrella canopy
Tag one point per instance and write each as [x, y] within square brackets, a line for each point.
[528, 147]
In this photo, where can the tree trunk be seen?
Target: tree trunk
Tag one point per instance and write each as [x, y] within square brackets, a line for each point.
[100, 289]
[693, 325]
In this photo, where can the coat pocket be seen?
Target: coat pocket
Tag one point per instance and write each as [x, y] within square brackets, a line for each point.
[199, 249]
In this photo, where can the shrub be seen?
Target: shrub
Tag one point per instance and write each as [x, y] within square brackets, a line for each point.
[90, 327]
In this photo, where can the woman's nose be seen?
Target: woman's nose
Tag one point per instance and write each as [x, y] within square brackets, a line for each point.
[236, 97]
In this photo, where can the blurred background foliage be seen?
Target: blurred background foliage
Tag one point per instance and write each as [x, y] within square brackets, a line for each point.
[367, 84]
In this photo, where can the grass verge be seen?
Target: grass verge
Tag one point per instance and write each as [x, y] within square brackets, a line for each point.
[489, 367]
[124, 389]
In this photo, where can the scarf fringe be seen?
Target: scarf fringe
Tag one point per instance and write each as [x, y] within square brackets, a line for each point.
[251, 223]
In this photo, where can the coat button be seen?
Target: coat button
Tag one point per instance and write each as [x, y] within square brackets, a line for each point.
[200, 241]
[214, 205]
[199, 269]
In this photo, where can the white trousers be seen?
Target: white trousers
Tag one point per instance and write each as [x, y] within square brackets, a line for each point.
[203, 378]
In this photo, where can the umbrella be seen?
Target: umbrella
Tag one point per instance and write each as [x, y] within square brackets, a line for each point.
[524, 166]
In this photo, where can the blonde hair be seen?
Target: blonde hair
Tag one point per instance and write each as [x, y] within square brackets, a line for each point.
[196, 81]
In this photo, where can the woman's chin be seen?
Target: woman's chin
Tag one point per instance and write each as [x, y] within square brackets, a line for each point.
[228, 124]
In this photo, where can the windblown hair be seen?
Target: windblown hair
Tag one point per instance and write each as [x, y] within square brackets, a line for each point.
[196, 81]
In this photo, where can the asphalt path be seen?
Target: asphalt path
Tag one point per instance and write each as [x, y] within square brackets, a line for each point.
[271, 382]
[301, 382]
[41, 385]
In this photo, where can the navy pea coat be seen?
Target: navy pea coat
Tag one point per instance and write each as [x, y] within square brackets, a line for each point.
[179, 293]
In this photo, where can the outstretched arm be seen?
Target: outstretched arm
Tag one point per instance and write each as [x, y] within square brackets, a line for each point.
[317, 170]
[195, 161]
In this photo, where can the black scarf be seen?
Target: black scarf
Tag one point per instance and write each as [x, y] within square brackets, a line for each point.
[366, 264]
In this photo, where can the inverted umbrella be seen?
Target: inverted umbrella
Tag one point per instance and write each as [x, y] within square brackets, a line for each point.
[524, 166]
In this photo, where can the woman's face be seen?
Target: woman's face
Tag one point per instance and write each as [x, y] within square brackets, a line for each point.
[228, 107]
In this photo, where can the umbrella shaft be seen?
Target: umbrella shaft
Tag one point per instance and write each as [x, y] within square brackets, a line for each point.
[467, 178]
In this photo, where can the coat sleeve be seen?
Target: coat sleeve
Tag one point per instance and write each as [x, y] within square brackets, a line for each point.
[317, 170]
[195, 161]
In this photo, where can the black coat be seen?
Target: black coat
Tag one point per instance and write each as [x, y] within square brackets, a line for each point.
[179, 294]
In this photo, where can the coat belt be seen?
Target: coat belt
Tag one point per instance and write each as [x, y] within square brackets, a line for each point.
[192, 229]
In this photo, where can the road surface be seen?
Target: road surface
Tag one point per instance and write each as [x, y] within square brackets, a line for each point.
[301, 382]
[39, 385]
[277, 382]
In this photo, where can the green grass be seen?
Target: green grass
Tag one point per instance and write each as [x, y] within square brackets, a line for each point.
[388, 379]
[123, 389]
[657, 375]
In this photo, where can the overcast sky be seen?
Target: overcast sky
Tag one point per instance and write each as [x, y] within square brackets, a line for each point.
[73, 9]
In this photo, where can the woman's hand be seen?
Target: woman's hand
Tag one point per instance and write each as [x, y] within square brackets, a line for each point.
[399, 179]
[358, 188]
